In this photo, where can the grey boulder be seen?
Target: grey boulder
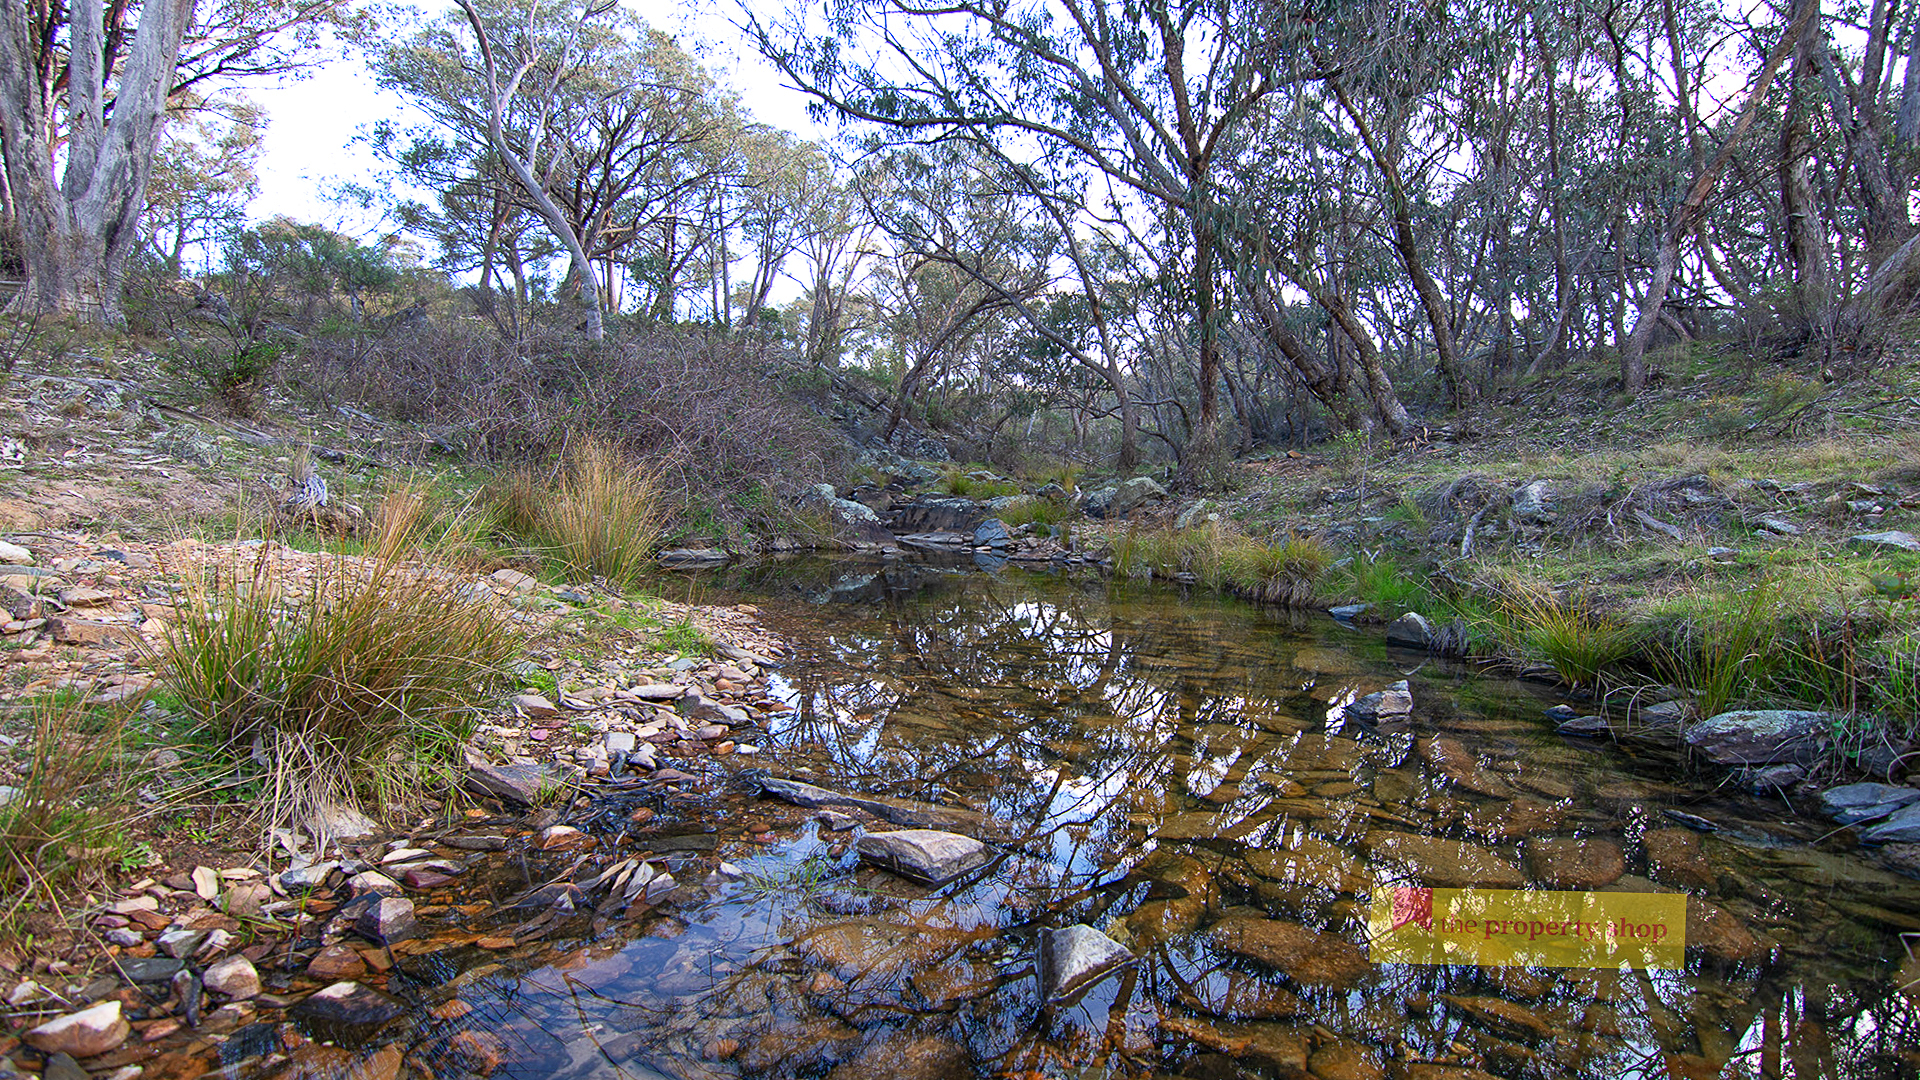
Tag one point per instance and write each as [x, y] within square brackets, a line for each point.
[1902, 828]
[1759, 736]
[1850, 804]
[1411, 630]
[1076, 957]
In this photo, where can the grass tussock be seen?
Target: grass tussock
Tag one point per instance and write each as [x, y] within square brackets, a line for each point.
[1724, 648]
[61, 829]
[1575, 637]
[604, 517]
[1034, 510]
[1380, 581]
[1289, 572]
[341, 679]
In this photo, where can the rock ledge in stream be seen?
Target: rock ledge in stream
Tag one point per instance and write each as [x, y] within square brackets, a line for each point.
[1075, 958]
[926, 855]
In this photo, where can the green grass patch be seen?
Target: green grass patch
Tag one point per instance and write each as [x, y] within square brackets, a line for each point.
[1571, 633]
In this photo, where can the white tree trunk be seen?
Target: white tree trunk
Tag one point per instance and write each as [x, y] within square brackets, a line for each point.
[78, 230]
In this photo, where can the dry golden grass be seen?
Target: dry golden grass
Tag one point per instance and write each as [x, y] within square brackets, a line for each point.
[63, 826]
[604, 517]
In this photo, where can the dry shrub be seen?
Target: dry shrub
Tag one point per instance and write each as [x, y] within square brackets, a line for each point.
[346, 685]
[708, 412]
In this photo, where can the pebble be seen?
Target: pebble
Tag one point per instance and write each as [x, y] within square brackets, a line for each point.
[86, 1033]
[235, 977]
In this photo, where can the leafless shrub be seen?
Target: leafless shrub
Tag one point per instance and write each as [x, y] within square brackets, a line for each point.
[706, 411]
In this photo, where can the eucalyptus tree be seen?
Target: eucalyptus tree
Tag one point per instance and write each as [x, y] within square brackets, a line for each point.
[962, 259]
[203, 177]
[1144, 92]
[601, 128]
[84, 91]
[782, 177]
[837, 247]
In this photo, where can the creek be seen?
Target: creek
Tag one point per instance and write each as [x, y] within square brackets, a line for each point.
[1185, 773]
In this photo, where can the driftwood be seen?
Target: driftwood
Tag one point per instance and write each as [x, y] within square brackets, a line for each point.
[1656, 524]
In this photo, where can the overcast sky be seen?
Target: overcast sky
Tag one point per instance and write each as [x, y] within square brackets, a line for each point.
[314, 121]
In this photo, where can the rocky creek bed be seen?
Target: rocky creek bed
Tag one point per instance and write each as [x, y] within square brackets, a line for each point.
[1021, 824]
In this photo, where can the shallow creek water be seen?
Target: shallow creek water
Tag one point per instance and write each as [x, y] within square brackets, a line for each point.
[1180, 772]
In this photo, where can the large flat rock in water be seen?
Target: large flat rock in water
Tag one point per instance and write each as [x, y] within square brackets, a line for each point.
[914, 815]
[926, 855]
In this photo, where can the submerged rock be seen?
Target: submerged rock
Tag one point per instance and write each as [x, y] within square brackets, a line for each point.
[1675, 857]
[1280, 1047]
[1721, 933]
[1437, 862]
[1759, 736]
[927, 1057]
[898, 811]
[1457, 763]
[1853, 803]
[926, 855]
[1076, 957]
[1501, 1015]
[1237, 995]
[1307, 956]
[1589, 862]
[1343, 1059]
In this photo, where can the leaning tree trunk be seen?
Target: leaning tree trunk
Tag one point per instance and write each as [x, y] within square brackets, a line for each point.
[1693, 209]
[77, 231]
